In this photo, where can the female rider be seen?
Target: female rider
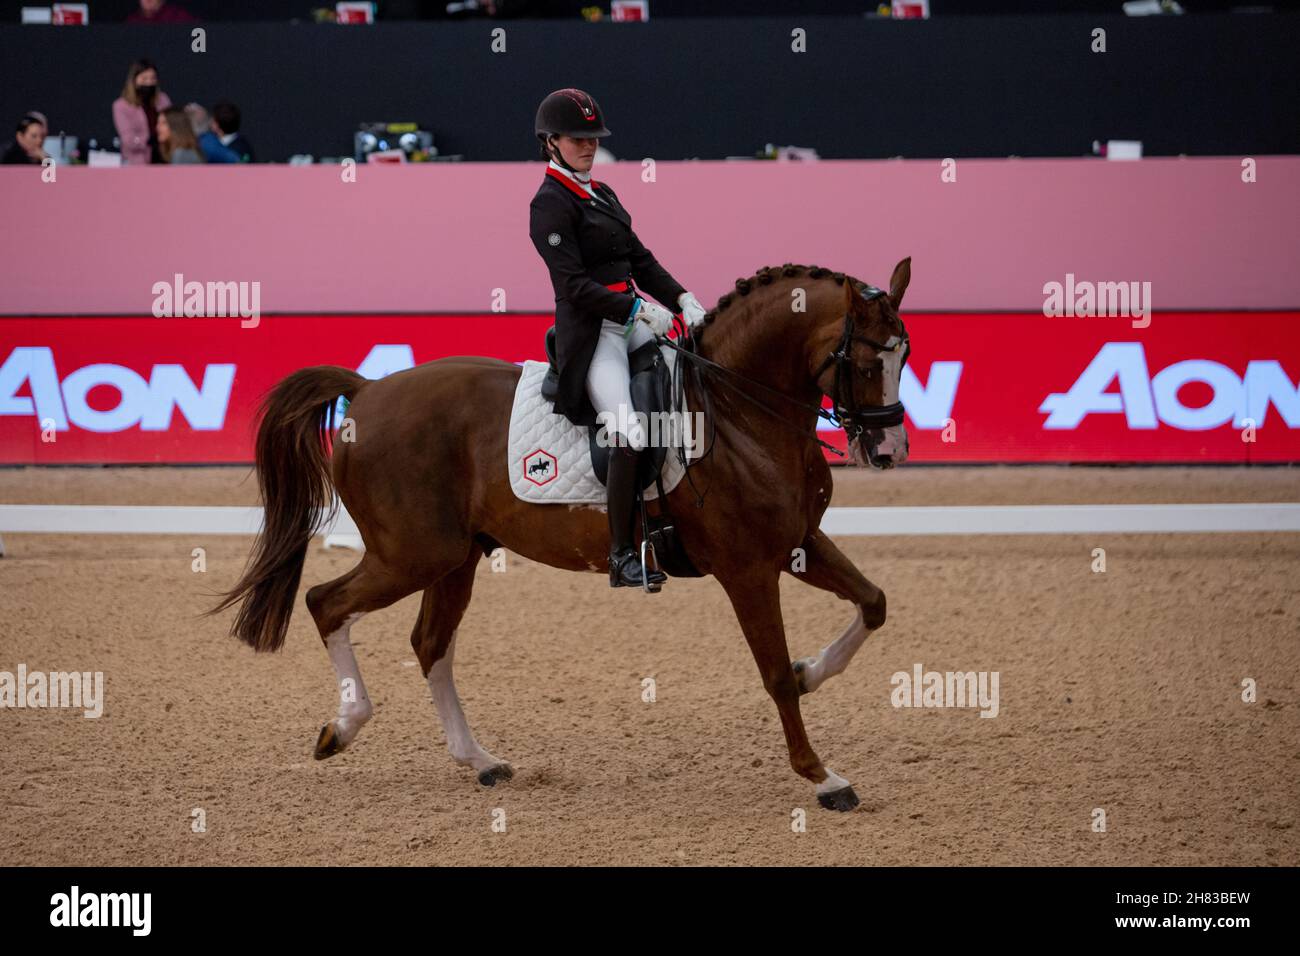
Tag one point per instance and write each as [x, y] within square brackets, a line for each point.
[585, 237]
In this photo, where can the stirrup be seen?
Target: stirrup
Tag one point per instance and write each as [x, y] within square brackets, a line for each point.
[626, 571]
[651, 579]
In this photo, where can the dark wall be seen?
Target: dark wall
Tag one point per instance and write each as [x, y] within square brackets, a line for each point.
[115, 11]
[706, 88]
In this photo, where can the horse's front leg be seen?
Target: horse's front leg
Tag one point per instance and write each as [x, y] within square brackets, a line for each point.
[756, 596]
[827, 568]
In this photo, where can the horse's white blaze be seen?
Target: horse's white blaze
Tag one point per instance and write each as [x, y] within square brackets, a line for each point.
[460, 739]
[354, 703]
[894, 443]
[892, 359]
[832, 782]
[835, 657]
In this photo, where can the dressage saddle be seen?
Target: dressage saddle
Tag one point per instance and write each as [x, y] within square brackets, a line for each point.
[650, 390]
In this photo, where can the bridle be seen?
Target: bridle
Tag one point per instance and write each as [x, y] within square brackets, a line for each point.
[848, 414]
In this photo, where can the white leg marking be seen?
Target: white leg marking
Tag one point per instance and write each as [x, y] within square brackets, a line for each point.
[835, 657]
[460, 739]
[354, 703]
[832, 782]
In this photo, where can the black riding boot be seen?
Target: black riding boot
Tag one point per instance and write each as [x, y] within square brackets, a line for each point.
[620, 484]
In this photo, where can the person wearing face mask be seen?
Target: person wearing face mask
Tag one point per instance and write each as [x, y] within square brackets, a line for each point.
[599, 268]
[135, 114]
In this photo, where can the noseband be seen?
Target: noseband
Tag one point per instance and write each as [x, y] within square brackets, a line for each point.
[845, 412]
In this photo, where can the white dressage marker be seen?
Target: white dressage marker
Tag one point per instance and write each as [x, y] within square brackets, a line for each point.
[1015, 519]
[1063, 519]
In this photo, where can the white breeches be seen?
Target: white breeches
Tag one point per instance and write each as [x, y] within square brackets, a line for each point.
[608, 380]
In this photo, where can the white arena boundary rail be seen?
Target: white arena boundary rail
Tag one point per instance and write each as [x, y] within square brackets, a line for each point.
[991, 519]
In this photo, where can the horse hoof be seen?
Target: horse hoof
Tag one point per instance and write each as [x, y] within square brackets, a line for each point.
[328, 743]
[843, 799]
[491, 775]
[801, 674]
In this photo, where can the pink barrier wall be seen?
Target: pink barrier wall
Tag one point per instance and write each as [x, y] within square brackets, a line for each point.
[442, 238]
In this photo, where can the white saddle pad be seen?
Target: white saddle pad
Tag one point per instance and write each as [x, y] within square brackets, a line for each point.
[549, 457]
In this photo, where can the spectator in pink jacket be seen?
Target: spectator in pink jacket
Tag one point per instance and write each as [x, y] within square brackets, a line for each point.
[135, 114]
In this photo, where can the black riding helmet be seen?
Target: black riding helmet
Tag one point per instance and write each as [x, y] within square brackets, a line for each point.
[568, 112]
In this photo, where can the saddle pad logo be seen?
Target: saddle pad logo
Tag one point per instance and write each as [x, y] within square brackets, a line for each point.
[540, 467]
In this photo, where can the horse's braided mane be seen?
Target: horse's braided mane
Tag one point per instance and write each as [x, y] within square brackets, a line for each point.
[766, 274]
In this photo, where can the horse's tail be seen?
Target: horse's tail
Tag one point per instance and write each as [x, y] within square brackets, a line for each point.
[293, 473]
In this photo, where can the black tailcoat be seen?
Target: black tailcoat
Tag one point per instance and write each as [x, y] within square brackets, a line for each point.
[588, 244]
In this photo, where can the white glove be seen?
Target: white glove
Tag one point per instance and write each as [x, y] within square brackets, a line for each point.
[657, 317]
[692, 311]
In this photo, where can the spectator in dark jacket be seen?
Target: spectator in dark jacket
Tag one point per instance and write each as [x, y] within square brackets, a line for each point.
[226, 119]
[28, 140]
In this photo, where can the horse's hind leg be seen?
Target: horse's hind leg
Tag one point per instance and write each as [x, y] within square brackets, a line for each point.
[830, 570]
[434, 641]
[336, 606]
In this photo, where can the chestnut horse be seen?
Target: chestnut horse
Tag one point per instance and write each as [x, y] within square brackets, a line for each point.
[425, 478]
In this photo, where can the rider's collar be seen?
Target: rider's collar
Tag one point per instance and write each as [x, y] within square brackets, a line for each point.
[582, 179]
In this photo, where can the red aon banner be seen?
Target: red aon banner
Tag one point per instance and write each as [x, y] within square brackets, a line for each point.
[1190, 387]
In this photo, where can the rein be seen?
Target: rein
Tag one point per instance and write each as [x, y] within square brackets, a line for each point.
[701, 362]
[848, 416]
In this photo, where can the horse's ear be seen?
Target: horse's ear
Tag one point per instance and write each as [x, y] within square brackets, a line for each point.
[898, 282]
